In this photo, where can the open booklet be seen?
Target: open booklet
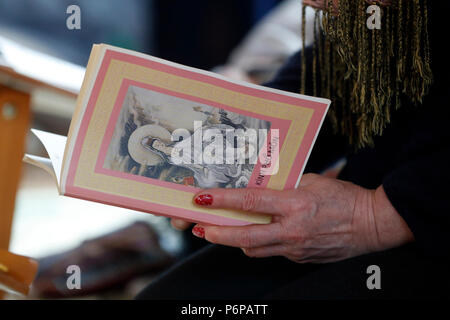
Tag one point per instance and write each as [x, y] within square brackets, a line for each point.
[147, 134]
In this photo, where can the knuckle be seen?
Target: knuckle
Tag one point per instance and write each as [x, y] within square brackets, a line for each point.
[294, 206]
[310, 206]
[250, 200]
[308, 203]
[307, 178]
[311, 176]
[246, 240]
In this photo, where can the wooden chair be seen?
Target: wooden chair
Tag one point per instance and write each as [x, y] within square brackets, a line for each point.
[14, 123]
[16, 272]
[16, 89]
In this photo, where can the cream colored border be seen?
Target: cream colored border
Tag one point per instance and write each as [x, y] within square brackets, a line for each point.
[92, 69]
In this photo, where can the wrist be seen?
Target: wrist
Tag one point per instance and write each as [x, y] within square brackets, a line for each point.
[392, 230]
[364, 223]
[377, 223]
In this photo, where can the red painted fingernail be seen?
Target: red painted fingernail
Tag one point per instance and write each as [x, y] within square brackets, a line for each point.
[204, 200]
[198, 232]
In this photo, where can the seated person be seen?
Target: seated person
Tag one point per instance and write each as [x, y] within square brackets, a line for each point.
[388, 205]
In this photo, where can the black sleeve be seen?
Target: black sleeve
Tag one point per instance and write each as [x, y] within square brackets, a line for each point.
[419, 191]
[329, 147]
[419, 187]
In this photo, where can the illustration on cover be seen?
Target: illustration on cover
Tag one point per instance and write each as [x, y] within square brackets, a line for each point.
[142, 141]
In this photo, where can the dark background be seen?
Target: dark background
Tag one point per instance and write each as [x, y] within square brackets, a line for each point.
[198, 33]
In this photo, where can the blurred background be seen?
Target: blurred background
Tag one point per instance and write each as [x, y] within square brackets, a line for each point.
[121, 250]
[198, 33]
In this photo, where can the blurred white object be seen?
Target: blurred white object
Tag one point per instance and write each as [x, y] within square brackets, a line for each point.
[270, 42]
[53, 83]
[33, 64]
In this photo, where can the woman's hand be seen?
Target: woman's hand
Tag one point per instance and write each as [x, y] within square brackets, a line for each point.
[180, 224]
[324, 220]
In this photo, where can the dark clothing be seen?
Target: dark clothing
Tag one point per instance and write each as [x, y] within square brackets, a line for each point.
[411, 160]
[412, 157]
[218, 272]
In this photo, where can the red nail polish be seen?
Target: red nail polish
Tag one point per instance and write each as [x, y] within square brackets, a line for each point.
[198, 231]
[204, 200]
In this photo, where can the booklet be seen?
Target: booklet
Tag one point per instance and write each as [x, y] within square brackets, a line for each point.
[147, 134]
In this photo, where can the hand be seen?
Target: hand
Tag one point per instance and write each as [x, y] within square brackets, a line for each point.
[324, 220]
[180, 224]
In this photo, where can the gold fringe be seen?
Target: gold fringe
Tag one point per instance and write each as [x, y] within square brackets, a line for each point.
[353, 64]
[303, 56]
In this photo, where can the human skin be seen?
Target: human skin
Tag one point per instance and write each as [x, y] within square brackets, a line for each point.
[318, 4]
[323, 220]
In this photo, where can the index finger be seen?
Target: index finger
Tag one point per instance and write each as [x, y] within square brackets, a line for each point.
[247, 199]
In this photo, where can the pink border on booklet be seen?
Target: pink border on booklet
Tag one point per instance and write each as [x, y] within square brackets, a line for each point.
[84, 193]
[276, 123]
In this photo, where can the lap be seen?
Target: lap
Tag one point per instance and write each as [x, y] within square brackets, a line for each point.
[218, 272]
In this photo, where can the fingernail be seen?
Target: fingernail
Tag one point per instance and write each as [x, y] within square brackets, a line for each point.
[198, 232]
[204, 200]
